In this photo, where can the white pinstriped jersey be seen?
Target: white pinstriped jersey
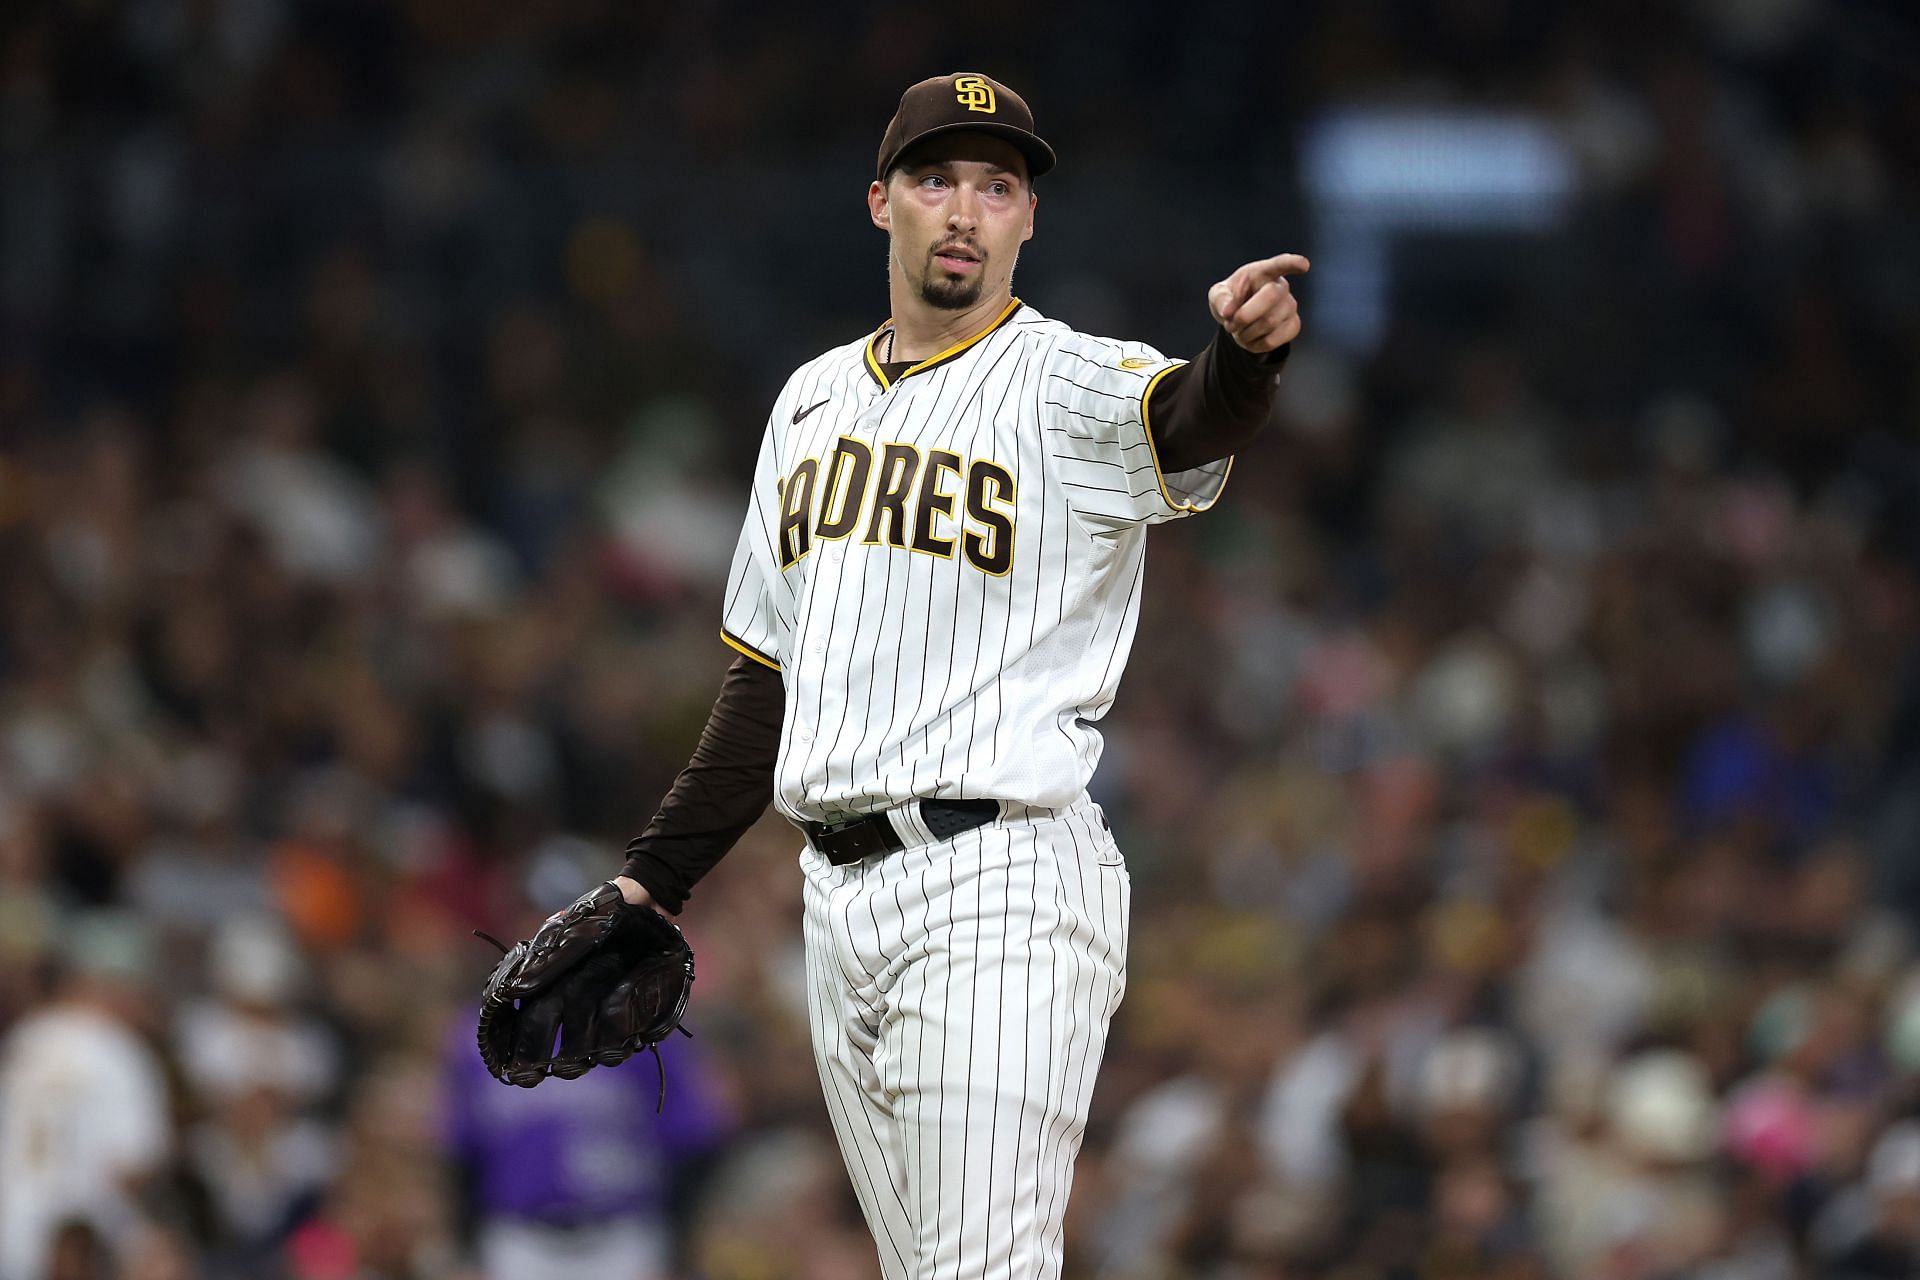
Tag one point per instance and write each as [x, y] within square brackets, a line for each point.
[946, 569]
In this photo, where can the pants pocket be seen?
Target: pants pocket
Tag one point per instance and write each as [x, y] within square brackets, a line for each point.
[1105, 851]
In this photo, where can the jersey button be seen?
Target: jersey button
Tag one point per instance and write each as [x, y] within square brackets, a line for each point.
[804, 734]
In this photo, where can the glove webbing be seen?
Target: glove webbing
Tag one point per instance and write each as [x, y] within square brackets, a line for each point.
[659, 1064]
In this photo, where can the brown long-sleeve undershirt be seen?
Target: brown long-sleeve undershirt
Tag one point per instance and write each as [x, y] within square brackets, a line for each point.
[1203, 411]
[723, 790]
[1213, 406]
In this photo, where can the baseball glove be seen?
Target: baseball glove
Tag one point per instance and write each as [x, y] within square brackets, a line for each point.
[611, 978]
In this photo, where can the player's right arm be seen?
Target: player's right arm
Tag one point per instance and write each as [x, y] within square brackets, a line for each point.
[724, 789]
[728, 783]
[1143, 438]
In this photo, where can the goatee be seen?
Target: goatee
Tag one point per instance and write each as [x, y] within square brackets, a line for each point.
[951, 295]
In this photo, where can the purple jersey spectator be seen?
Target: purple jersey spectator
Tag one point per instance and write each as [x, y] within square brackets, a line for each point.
[577, 1157]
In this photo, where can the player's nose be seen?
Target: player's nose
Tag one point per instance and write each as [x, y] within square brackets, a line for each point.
[963, 208]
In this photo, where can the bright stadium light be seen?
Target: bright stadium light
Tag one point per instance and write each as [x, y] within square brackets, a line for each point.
[1372, 175]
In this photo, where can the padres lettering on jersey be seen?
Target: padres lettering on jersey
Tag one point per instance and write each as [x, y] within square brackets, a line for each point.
[835, 510]
[946, 567]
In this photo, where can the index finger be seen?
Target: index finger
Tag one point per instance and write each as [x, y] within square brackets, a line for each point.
[1281, 264]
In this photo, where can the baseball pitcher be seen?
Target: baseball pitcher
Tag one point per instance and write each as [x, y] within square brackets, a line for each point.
[932, 600]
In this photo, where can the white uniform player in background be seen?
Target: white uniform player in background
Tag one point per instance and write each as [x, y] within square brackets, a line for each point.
[83, 1103]
[941, 567]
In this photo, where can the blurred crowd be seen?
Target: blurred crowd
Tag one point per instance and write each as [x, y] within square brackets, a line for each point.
[1519, 771]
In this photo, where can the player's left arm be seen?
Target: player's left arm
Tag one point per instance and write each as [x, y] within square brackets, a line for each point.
[1213, 406]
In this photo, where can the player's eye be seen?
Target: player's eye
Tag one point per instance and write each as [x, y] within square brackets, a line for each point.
[933, 179]
[1000, 189]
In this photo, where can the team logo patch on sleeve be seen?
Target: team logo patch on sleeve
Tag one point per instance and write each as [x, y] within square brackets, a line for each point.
[1136, 362]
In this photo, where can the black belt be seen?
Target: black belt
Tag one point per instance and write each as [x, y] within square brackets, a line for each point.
[844, 842]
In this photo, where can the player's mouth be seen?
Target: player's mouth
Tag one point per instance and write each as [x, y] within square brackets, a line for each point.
[957, 259]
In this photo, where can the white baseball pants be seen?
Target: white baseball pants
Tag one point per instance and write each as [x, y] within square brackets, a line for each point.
[619, 1249]
[960, 994]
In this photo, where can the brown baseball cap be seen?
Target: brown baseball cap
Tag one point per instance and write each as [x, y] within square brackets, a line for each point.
[964, 100]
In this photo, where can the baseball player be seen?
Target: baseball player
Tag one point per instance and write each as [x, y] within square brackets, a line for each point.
[932, 600]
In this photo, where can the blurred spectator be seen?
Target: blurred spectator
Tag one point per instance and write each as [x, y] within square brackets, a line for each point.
[778, 1208]
[76, 1252]
[256, 1070]
[387, 1212]
[555, 1183]
[1638, 1196]
[1874, 1229]
[84, 1118]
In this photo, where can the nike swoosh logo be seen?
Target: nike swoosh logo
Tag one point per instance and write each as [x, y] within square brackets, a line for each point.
[801, 413]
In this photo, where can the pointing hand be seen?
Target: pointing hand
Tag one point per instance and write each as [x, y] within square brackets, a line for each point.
[1256, 306]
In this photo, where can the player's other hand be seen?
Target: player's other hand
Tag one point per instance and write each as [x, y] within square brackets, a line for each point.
[1256, 306]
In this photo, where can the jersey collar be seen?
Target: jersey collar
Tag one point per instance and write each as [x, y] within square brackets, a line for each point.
[879, 376]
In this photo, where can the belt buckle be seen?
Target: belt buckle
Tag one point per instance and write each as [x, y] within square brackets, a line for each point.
[856, 838]
[833, 828]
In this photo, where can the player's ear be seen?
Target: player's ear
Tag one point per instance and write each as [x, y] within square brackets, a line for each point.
[1033, 202]
[877, 205]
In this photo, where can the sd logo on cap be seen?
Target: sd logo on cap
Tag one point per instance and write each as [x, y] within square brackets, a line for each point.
[975, 93]
[949, 103]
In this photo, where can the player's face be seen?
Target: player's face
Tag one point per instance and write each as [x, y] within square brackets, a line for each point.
[957, 215]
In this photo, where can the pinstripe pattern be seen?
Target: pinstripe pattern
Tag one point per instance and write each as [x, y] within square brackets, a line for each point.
[960, 994]
[916, 675]
[960, 991]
